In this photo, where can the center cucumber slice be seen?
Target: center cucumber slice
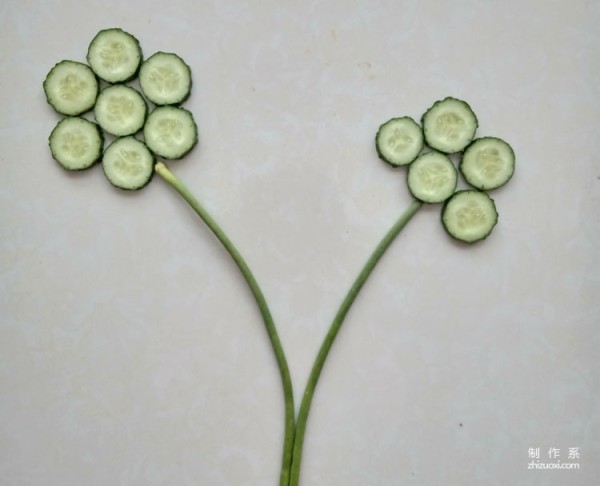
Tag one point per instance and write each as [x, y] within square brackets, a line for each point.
[120, 110]
[432, 177]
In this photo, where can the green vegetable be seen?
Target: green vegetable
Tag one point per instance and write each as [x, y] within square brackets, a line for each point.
[76, 143]
[71, 88]
[488, 163]
[128, 164]
[114, 55]
[469, 216]
[166, 79]
[333, 331]
[399, 141]
[284, 373]
[432, 178]
[170, 132]
[449, 125]
[120, 110]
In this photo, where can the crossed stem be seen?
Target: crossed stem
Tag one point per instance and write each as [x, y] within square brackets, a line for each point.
[294, 429]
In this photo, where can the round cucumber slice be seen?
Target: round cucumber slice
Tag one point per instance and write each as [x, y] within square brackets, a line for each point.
[432, 178]
[165, 79]
[399, 141]
[469, 215]
[114, 55]
[120, 110]
[76, 143]
[71, 88]
[170, 132]
[128, 164]
[488, 163]
[449, 125]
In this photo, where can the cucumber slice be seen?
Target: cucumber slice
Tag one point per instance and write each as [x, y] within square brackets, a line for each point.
[128, 164]
[469, 215]
[488, 163]
[165, 79]
[71, 88]
[399, 141]
[449, 125]
[432, 177]
[114, 55]
[76, 143]
[120, 110]
[170, 132]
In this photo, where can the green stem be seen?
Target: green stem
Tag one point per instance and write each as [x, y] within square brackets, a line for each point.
[171, 179]
[332, 333]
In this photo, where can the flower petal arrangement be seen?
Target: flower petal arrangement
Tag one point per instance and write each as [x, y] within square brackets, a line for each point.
[145, 127]
[486, 163]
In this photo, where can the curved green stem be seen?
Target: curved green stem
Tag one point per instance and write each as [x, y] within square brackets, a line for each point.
[332, 333]
[170, 178]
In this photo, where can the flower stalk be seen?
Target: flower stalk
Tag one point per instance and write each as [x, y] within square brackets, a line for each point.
[333, 332]
[288, 441]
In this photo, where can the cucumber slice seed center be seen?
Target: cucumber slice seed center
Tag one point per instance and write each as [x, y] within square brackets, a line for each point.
[170, 131]
[72, 87]
[449, 125]
[434, 176]
[489, 162]
[113, 55]
[129, 162]
[119, 108]
[471, 217]
[399, 141]
[75, 143]
[165, 79]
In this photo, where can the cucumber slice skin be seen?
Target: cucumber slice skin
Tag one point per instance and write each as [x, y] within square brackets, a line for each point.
[135, 144]
[412, 183]
[430, 138]
[132, 42]
[412, 125]
[472, 178]
[153, 141]
[103, 118]
[145, 83]
[448, 216]
[95, 132]
[56, 77]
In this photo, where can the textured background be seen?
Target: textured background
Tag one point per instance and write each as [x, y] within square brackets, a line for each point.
[131, 352]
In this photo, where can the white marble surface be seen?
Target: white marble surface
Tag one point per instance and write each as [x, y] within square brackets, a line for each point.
[131, 352]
